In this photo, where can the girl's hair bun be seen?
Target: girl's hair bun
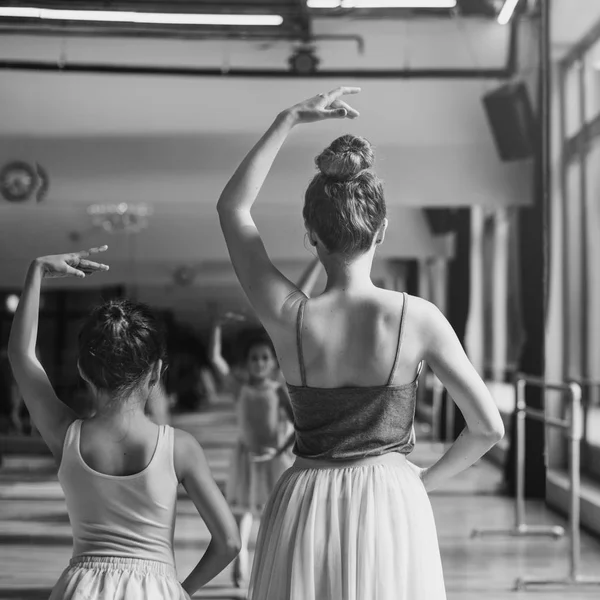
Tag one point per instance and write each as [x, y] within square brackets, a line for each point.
[345, 158]
[115, 311]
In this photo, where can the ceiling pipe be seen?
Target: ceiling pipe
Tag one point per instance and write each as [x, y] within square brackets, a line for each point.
[501, 73]
[107, 69]
[284, 36]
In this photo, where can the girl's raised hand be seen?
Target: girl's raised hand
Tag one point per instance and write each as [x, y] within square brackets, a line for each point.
[325, 106]
[75, 264]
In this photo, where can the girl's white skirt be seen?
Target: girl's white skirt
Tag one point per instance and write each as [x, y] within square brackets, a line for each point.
[355, 530]
[251, 482]
[113, 578]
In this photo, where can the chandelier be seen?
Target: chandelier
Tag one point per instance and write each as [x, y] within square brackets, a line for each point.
[120, 218]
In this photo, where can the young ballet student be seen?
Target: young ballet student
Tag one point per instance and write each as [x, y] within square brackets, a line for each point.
[265, 434]
[118, 469]
[351, 520]
[263, 413]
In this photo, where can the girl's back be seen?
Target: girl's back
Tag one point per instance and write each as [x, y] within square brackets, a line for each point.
[121, 497]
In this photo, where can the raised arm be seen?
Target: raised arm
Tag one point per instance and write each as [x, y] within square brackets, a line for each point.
[267, 289]
[215, 353]
[446, 356]
[51, 416]
[228, 379]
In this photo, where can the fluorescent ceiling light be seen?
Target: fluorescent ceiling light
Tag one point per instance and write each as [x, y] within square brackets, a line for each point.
[381, 3]
[507, 11]
[140, 17]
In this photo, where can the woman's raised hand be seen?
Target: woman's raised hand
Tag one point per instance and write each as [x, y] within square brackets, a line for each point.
[75, 264]
[325, 106]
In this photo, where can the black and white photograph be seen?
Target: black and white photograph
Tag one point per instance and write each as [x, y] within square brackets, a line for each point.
[299, 299]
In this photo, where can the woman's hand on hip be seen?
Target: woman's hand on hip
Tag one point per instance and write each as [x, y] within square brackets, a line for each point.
[420, 471]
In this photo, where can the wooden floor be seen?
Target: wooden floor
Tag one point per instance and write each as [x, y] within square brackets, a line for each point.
[35, 542]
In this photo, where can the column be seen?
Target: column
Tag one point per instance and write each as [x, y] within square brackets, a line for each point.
[475, 325]
[500, 295]
[424, 279]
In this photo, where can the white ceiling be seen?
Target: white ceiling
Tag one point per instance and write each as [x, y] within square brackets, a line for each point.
[388, 43]
[173, 142]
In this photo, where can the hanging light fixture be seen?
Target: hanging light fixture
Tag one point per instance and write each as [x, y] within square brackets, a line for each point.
[122, 16]
[120, 218]
[381, 3]
[507, 11]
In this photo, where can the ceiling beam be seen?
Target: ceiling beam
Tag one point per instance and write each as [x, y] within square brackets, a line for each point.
[112, 69]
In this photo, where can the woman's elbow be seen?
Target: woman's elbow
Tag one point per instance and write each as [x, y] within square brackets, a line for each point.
[495, 432]
[491, 432]
[498, 433]
[224, 210]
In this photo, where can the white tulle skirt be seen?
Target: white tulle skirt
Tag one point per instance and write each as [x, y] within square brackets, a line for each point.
[113, 578]
[361, 530]
[250, 483]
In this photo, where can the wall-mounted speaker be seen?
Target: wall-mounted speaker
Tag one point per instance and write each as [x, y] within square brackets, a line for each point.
[512, 121]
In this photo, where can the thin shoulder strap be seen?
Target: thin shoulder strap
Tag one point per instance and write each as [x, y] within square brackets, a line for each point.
[400, 338]
[299, 342]
[167, 441]
[72, 436]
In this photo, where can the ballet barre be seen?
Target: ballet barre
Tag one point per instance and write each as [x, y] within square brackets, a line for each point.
[572, 429]
[587, 384]
[521, 528]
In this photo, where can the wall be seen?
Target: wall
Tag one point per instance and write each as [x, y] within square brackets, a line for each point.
[173, 142]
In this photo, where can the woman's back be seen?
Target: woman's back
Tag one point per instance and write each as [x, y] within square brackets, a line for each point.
[352, 340]
[358, 418]
[130, 515]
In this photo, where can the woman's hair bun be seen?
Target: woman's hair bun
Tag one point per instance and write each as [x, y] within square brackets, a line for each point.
[346, 157]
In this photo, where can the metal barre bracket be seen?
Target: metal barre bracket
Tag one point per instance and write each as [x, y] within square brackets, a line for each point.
[574, 434]
[523, 530]
[523, 583]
